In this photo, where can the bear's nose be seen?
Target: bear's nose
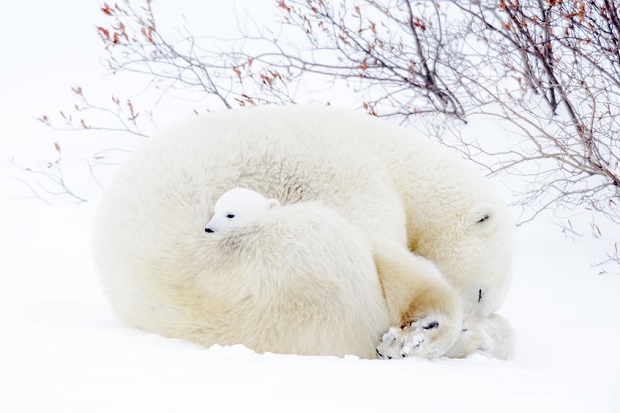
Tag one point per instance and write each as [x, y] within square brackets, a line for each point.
[207, 229]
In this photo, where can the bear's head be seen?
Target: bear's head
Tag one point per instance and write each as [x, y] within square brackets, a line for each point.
[237, 208]
[474, 250]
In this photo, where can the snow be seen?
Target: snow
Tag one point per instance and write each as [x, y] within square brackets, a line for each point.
[62, 349]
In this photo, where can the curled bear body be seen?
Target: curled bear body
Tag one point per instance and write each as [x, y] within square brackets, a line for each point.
[429, 221]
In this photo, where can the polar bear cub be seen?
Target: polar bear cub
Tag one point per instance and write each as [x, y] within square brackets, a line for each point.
[238, 207]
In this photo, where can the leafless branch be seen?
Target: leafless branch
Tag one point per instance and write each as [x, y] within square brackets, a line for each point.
[548, 71]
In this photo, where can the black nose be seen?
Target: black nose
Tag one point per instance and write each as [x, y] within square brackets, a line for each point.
[208, 229]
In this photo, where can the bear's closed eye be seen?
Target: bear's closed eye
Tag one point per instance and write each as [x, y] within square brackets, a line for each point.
[230, 216]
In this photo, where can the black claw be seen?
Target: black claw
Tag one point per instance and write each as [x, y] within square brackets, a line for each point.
[431, 325]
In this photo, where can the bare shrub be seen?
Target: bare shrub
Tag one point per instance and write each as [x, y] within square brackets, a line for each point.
[548, 71]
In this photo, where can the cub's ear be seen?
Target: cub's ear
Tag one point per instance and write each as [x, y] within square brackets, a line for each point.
[482, 218]
[272, 203]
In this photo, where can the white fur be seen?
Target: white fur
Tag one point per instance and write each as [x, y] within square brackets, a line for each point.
[239, 207]
[402, 192]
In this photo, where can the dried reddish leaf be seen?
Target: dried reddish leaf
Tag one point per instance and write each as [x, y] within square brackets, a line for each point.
[283, 5]
[103, 32]
[106, 9]
[148, 33]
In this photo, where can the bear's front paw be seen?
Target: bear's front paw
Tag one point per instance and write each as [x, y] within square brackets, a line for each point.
[428, 337]
[398, 343]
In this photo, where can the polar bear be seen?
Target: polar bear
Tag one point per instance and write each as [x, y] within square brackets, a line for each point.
[238, 207]
[246, 212]
[293, 279]
[418, 207]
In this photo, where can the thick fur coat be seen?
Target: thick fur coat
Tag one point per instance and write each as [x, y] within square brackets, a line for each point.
[436, 237]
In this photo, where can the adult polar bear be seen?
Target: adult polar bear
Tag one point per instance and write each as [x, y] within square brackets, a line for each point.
[402, 191]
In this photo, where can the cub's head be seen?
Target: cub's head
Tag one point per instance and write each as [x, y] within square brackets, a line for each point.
[237, 208]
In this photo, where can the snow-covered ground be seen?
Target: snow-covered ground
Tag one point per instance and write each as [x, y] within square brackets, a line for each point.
[62, 350]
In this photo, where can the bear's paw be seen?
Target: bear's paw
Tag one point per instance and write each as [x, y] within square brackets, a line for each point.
[429, 337]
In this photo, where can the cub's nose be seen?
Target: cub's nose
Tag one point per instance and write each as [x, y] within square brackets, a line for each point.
[207, 229]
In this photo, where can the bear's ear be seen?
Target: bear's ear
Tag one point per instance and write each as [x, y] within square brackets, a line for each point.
[482, 219]
[272, 203]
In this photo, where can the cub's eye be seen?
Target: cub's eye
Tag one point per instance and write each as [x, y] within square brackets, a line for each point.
[230, 216]
[484, 218]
